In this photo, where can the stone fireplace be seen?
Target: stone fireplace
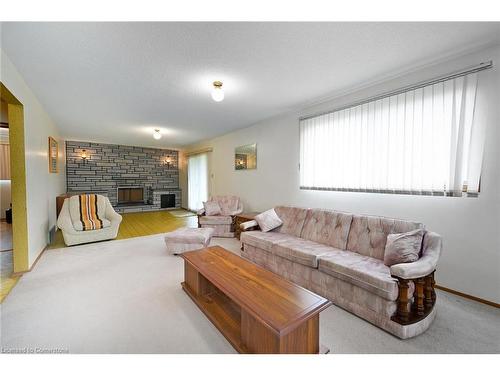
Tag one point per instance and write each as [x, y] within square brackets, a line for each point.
[133, 178]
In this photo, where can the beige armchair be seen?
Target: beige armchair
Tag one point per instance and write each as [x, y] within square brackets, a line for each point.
[73, 236]
[222, 224]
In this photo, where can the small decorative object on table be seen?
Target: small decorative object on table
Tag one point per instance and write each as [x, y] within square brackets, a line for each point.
[240, 219]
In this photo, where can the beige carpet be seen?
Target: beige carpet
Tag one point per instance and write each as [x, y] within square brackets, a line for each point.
[124, 296]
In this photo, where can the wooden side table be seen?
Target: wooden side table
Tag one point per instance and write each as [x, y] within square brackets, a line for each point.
[60, 200]
[241, 218]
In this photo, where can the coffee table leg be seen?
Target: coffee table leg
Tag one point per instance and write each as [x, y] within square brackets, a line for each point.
[196, 281]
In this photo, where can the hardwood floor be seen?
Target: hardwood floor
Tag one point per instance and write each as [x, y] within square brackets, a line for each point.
[138, 224]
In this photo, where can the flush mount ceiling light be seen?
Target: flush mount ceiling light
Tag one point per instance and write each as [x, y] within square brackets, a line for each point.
[157, 134]
[217, 91]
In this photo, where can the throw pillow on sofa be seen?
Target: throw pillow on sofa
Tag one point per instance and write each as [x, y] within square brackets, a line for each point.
[211, 208]
[268, 220]
[403, 247]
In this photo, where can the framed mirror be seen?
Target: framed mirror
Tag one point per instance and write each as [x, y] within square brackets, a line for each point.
[245, 157]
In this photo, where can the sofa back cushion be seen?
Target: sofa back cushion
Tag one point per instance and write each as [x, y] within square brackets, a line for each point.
[228, 203]
[327, 227]
[293, 220]
[368, 234]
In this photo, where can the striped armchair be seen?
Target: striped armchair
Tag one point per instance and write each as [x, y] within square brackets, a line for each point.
[74, 235]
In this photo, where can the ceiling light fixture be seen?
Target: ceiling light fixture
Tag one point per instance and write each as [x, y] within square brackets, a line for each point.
[218, 91]
[157, 134]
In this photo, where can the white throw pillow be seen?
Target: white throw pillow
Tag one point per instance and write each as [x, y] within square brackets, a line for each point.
[403, 247]
[268, 220]
[211, 208]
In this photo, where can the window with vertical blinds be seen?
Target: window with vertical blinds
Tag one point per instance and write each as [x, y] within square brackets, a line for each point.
[420, 141]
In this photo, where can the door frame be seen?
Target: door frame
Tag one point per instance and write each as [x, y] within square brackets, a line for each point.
[15, 113]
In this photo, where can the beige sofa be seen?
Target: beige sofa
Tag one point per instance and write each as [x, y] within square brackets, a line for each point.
[74, 236]
[340, 257]
[223, 224]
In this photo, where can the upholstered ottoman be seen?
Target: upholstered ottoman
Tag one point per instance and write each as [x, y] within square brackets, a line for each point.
[187, 239]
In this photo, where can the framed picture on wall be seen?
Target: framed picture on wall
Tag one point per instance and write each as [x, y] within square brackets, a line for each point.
[53, 156]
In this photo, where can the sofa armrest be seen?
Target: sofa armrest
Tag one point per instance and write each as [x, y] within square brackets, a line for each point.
[421, 273]
[200, 212]
[426, 264]
[249, 225]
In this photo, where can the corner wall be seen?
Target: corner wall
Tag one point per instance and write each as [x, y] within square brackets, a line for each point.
[42, 186]
[470, 227]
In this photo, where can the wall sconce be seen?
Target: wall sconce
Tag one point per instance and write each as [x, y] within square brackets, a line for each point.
[85, 156]
[168, 162]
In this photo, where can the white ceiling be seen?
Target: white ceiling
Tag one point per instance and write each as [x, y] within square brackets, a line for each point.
[116, 82]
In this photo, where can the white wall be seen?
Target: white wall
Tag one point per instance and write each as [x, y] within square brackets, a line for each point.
[470, 226]
[42, 186]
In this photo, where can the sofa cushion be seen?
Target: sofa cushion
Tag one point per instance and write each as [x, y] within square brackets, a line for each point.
[368, 234]
[220, 230]
[268, 220]
[327, 227]
[212, 208]
[301, 251]
[216, 220]
[403, 247]
[292, 218]
[229, 204]
[364, 271]
[263, 240]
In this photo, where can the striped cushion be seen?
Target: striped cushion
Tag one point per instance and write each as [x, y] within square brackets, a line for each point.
[87, 212]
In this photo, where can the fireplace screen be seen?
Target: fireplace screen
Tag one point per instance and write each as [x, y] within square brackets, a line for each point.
[167, 200]
[130, 195]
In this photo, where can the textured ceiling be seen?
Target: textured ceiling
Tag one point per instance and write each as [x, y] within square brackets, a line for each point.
[115, 82]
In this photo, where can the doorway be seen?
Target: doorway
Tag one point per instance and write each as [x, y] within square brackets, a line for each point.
[5, 185]
[13, 123]
[7, 281]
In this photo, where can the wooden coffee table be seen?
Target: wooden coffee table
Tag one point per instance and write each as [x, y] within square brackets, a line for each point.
[256, 310]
